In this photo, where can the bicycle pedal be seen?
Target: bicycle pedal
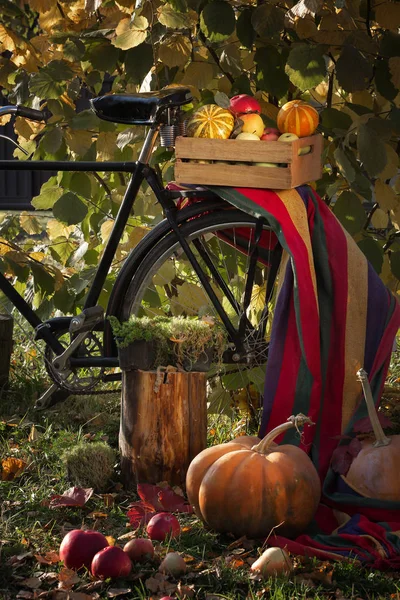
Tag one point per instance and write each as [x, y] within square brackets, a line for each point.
[87, 319]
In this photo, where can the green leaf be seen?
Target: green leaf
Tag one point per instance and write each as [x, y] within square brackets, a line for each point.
[390, 44]
[383, 83]
[198, 74]
[217, 20]
[42, 280]
[69, 209]
[235, 381]
[80, 184]
[344, 163]
[47, 198]
[85, 120]
[395, 263]
[268, 20]
[241, 85]
[59, 70]
[44, 86]
[244, 28]
[136, 34]
[170, 17]
[179, 5]
[64, 299]
[350, 212]
[306, 66]
[373, 252]
[73, 49]
[51, 141]
[331, 118]
[353, 70]
[271, 76]
[222, 100]
[138, 62]
[371, 150]
[103, 57]
[220, 402]
[362, 185]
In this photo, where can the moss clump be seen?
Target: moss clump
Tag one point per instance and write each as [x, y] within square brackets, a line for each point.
[90, 465]
[180, 341]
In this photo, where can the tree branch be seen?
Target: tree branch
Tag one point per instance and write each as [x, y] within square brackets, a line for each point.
[215, 56]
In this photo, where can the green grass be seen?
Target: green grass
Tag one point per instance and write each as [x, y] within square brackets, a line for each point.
[216, 568]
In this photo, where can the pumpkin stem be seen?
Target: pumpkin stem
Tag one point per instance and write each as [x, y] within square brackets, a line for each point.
[381, 438]
[297, 421]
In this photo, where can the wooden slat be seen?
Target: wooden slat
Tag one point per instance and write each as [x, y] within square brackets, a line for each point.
[300, 170]
[237, 150]
[233, 175]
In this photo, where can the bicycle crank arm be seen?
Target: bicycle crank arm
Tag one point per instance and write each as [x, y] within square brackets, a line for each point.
[48, 398]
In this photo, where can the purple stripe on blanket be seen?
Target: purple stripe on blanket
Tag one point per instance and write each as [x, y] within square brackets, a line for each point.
[378, 305]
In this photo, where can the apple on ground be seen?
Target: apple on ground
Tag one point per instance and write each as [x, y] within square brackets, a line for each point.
[252, 123]
[79, 546]
[139, 549]
[243, 103]
[163, 525]
[111, 562]
[270, 134]
[247, 136]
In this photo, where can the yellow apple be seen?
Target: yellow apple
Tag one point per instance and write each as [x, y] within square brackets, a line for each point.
[252, 123]
[265, 164]
[288, 137]
[247, 136]
[304, 150]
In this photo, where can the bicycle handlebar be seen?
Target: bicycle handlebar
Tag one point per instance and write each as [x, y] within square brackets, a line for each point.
[24, 111]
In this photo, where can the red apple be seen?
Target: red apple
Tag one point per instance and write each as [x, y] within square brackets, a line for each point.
[270, 134]
[111, 562]
[78, 548]
[163, 525]
[243, 103]
[139, 549]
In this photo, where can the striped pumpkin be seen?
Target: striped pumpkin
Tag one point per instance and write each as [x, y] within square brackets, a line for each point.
[211, 121]
[297, 117]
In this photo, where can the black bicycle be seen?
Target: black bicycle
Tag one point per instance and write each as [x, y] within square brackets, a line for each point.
[204, 259]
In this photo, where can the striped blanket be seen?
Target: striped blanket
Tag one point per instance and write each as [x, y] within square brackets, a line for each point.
[333, 316]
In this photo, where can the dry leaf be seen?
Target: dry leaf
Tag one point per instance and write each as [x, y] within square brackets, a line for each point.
[34, 434]
[67, 578]
[11, 468]
[75, 496]
[114, 592]
[31, 582]
[50, 558]
[108, 500]
[25, 594]
[96, 514]
[111, 540]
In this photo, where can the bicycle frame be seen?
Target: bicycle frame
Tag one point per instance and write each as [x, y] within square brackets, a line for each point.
[140, 171]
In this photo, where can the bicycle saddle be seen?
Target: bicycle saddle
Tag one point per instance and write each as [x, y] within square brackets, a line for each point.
[140, 109]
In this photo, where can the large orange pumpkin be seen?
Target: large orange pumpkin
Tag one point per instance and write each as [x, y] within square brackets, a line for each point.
[297, 117]
[211, 121]
[374, 472]
[250, 490]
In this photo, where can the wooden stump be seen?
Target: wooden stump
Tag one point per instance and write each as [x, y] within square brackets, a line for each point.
[163, 425]
[6, 344]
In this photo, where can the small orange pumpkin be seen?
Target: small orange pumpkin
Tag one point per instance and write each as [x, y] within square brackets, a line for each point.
[211, 121]
[249, 490]
[297, 117]
[374, 472]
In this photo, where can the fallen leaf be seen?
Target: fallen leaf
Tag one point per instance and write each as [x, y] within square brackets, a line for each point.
[159, 583]
[234, 562]
[19, 558]
[75, 496]
[111, 540]
[172, 502]
[148, 493]
[96, 514]
[25, 594]
[50, 558]
[185, 591]
[34, 434]
[114, 592]
[31, 582]
[11, 468]
[139, 514]
[67, 578]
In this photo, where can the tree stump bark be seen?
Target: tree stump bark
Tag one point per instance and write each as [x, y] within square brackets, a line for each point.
[6, 344]
[163, 425]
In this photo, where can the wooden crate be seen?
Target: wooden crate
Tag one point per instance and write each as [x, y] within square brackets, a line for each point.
[235, 158]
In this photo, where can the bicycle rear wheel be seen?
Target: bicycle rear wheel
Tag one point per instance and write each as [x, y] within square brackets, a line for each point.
[164, 283]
